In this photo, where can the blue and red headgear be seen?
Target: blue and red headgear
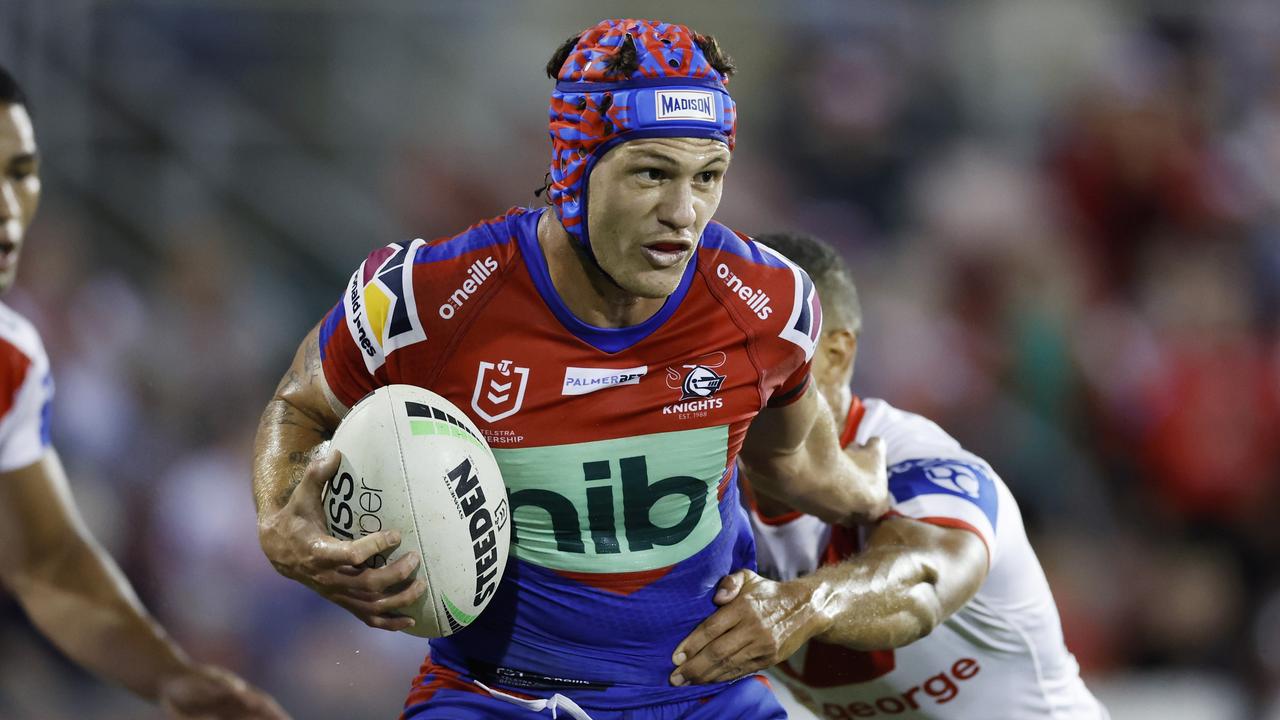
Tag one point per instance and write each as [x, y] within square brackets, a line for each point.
[674, 92]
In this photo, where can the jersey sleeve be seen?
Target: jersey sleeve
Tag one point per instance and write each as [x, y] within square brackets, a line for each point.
[949, 492]
[800, 329]
[931, 477]
[792, 389]
[376, 316]
[404, 304]
[777, 304]
[26, 398]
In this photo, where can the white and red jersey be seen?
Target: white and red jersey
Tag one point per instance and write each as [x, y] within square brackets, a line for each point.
[1001, 656]
[26, 390]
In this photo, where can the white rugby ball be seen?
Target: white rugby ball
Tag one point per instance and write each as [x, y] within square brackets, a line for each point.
[413, 462]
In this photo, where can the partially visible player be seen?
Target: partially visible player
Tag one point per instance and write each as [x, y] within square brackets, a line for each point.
[69, 587]
[940, 610]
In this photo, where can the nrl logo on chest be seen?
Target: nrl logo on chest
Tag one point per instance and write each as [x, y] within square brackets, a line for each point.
[499, 391]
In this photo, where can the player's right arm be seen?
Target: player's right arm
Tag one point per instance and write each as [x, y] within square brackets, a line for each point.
[920, 565]
[290, 469]
[911, 576]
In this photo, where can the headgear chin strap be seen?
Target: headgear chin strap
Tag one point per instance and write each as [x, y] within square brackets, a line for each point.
[674, 92]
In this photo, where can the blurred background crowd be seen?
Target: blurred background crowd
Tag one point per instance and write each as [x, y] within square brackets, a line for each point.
[1064, 218]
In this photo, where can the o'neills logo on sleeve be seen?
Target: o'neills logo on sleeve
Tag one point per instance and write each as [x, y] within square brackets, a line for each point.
[757, 300]
[685, 105]
[479, 271]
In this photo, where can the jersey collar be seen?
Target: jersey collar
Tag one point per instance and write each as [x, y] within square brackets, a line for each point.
[852, 420]
[609, 340]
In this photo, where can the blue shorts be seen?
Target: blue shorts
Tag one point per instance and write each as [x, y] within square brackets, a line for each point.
[443, 694]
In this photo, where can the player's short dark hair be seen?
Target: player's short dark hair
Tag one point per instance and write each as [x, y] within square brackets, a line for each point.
[829, 272]
[624, 62]
[10, 91]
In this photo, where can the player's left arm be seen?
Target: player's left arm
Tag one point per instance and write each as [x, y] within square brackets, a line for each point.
[78, 598]
[911, 577]
[792, 453]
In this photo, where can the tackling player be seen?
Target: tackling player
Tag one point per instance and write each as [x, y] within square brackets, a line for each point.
[940, 610]
[69, 587]
[614, 352]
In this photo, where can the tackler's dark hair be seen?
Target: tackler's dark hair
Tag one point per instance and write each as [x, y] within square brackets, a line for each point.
[11, 92]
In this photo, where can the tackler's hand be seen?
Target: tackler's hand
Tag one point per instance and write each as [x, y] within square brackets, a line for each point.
[759, 624]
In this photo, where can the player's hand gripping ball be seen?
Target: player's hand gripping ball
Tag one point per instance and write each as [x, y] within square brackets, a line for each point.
[414, 463]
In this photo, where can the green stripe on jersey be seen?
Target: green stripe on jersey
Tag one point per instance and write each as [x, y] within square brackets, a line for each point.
[612, 506]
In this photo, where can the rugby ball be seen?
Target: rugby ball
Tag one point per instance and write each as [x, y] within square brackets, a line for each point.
[413, 462]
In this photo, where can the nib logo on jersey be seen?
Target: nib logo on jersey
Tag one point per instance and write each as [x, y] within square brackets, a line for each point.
[697, 382]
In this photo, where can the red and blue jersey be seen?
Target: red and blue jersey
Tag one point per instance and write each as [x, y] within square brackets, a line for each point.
[617, 445]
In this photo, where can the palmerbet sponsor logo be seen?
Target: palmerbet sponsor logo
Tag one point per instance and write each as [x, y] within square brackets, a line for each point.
[685, 105]
[580, 381]
[479, 271]
[757, 300]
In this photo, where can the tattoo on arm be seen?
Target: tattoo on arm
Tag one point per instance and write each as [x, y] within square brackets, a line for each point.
[311, 358]
[298, 419]
[294, 417]
[288, 491]
[298, 462]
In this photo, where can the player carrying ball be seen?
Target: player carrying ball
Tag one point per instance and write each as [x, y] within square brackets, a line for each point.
[616, 350]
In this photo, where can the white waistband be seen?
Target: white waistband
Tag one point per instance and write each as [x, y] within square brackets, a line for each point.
[555, 703]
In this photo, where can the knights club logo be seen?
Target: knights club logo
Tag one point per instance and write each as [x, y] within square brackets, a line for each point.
[698, 379]
[499, 390]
